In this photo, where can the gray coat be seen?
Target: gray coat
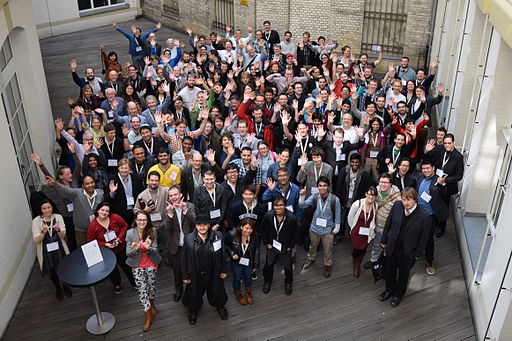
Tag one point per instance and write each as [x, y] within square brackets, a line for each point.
[133, 260]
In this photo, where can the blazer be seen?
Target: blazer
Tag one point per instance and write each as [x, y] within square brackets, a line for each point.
[118, 202]
[410, 180]
[454, 167]
[436, 191]
[387, 153]
[204, 204]
[363, 182]
[187, 179]
[172, 227]
[415, 234]
[133, 257]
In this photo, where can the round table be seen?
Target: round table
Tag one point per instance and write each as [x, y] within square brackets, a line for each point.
[73, 270]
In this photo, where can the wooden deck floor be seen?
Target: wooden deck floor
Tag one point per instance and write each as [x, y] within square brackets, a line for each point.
[338, 308]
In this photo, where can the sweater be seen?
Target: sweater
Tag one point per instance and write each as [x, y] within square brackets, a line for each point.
[82, 208]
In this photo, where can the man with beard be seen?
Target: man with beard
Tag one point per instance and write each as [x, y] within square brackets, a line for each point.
[189, 93]
[170, 174]
[95, 82]
[154, 107]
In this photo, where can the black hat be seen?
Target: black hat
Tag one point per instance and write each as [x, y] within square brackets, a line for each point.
[202, 219]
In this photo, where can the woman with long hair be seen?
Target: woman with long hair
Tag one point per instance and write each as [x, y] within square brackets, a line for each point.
[49, 233]
[375, 139]
[143, 258]
[244, 255]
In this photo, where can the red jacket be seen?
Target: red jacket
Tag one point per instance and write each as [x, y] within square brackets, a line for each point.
[117, 224]
[398, 128]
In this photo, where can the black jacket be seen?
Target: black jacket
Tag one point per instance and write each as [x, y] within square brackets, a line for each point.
[363, 182]
[247, 179]
[454, 167]
[142, 170]
[237, 211]
[234, 247]
[410, 180]
[415, 233]
[118, 203]
[436, 192]
[287, 235]
[204, 204]
[387, 153]
[187, 179]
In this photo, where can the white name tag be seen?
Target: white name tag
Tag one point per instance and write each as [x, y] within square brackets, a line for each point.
[244, 261]
[374, 153]
[269, 205]
[290, 208]
[138, 49]
[110, 235]
[425, 196]
[314, 190]
[156, 217]
[321, 222]
[130, 201]
[112, 162]
[110, 114]
[214, 214]
[299, 162]
[340, 157]
[70, 207]
[52, 246]
[217, 245]
[277, 245]
[364, 231]
[91, 217]
[439, 172]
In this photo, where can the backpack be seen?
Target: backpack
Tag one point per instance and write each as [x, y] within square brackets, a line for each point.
[333, 203]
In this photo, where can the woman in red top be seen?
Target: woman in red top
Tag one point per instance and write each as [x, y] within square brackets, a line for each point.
[110, 231]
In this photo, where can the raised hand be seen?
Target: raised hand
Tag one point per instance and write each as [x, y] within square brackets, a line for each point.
[302, 192]
[98, 143]
[360, 132]
[189, 31]
[210, 155]
[126, 130]
[425, 116]
[303, 159]
[430, 145]
[158, 26]
[112, 186]
[51, 181]
[114, 24]
[270, 184]
[254, 161]
[231, 150]
[73, 64]
[134, 29]
[285, 119]
[249, 28]
[36, 158]
[147, 61]
[228, 28]
[440, 88]
[321, 133]
[391, 168]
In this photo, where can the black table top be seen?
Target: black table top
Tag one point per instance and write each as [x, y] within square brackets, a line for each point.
[73, 268]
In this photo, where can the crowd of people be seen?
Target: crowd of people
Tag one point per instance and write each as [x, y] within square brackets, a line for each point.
[210, 152]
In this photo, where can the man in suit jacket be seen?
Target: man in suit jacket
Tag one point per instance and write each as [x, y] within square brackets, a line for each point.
[179, 220]
[124, 189]
[430, 189]
[393, 154]
[211, 199]
[403, 240]
[233, 185]
[192, 176]
[448, 161]
[402, 177]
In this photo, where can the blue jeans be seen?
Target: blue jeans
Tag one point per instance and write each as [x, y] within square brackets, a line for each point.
[241, 272]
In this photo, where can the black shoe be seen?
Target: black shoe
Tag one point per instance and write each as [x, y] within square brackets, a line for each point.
[192, 317]
[223, 313]
[118, 290]
[177, 295]
[266, 287]
[288, 289]
[384, 296]
[59, 294]
[254, 275]
[67, 291]
[306, 246]
[336, 239]
[395, 301]
[368, 265]
[440, 232]
[327, 271]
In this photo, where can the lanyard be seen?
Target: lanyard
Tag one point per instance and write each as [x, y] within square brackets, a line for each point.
[147, 148]
[395, 158]
[322, 209]
[278, 227]
[91, 203]
[303, 147]
[366, 216]
[137, 168]
[445, 160]
[319, 173]
[374, 140]
[111, 151]
[288, 193]
[212, 196]
[249, 210]
[258, 129]
[196, 180]
[244, 249]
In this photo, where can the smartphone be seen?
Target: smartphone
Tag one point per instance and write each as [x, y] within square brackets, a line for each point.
[376, 48]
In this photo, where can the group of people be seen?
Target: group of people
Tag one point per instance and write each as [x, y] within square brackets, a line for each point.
[209, 154]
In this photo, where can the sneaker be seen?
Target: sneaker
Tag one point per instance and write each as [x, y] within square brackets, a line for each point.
[254, 275]
[118, 290]
[307, 264]
[431, 270]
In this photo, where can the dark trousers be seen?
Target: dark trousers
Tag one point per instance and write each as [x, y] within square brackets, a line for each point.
[70, 233]
[397, 271]
[194, 293]
[272, 256]
[429, 249]
[175, 263]
[442, 224]
[56, 281]
[241, 272]
[115, 275]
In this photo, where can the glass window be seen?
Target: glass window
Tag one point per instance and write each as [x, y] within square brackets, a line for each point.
[5, 54]
[92, 4]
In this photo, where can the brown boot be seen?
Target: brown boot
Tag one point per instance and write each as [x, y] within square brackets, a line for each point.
[240, 298]
[149, 320]
[250, 300]
[154, 311]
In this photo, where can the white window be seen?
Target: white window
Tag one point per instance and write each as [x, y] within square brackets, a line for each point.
[84, 5]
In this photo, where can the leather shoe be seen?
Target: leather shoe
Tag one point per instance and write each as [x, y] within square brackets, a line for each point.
[192, 317]
[384, 296]
[223, 313]
[327, 271]
[288, 289]
[177, 295]
[440, 232]
[395, 301]
[368, 265]
[266, 287]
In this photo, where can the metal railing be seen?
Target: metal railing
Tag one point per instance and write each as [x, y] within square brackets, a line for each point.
[171, 7]
[224, 14]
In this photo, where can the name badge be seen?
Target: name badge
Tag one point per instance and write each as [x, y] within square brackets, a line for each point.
[110, 114]
[217, 245]
[290, 208]
[138, 49]
[52, 246]
[155, 217]
[340, 157]
[277, 245]
[70, 207]
[440, 173]
[321, 222]
[214, 214]
[374, 153]
[269, 205]
[364, 231]
[404, 82]
[110, 235]
[299, 162]
[314, 190]
[244, 261]
[91, 217]
[112, 162]
[425, 196]
[130, 201]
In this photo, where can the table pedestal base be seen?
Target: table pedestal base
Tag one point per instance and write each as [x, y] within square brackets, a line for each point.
[93, 327]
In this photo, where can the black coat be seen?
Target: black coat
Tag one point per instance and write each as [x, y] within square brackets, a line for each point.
[204, 204]
[454, 167]
[410, 180]
[190, 270]
[237, 211]
[118, 203]
[287, 235]
[234, 247]
[363, 182]
[387, 153]
[247, 179]
[436, 192]
[187, 179]
[142, 170]
[172, 228]
[415, 234]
